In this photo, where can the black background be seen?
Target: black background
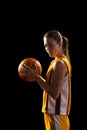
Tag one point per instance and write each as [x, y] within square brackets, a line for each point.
[27, 25]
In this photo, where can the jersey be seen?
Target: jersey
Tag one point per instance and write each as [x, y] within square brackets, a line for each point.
[61, 105]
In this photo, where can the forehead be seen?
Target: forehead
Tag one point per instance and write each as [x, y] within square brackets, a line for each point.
[48, 40]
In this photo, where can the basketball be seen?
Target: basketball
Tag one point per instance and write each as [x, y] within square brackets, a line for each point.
[33, 64]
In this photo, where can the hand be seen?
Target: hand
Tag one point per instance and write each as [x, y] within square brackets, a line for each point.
[27, 71]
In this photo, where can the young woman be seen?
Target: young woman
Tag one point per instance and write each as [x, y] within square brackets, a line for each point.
[57, 85]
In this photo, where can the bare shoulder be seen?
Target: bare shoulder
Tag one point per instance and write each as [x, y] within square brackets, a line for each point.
[60, 67]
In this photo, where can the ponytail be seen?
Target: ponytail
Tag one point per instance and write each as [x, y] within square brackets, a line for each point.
[65, 46]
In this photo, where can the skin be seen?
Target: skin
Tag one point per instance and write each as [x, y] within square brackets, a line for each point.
[54, 50]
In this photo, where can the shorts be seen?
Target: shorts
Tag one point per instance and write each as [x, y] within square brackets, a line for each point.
[56, 122]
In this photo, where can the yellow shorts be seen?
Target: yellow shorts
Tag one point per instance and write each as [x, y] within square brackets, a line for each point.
[56, 122]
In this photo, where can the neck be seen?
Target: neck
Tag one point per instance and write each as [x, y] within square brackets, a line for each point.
[60, 56]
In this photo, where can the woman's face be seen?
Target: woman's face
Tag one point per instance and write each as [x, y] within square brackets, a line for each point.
[51, 46]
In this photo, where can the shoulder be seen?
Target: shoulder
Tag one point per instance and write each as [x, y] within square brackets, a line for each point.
[61, 66]
[59, 63]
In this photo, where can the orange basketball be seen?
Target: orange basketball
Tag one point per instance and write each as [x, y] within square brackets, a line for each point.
[32, 63]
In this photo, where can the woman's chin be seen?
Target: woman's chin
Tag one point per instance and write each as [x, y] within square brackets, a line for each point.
[51, 55]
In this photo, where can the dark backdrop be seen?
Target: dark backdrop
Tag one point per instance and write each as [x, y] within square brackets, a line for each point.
[27, 27]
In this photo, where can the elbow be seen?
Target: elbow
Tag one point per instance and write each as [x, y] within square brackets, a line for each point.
[55, 95]
[53, 92]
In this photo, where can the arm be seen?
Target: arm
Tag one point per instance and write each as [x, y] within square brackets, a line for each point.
[57, 79]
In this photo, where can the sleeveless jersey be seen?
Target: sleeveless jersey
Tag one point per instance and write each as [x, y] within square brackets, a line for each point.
[61, 105]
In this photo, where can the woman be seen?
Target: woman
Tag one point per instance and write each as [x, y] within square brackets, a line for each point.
[57, 85]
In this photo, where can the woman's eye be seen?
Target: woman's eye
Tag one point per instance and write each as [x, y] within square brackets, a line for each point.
[48, 45]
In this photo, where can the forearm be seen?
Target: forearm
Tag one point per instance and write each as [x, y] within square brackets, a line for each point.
[49, 88]
[45, 85]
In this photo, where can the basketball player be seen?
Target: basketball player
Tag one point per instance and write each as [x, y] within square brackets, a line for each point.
[56, 87]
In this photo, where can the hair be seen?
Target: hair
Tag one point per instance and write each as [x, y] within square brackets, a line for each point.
[56, 35]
